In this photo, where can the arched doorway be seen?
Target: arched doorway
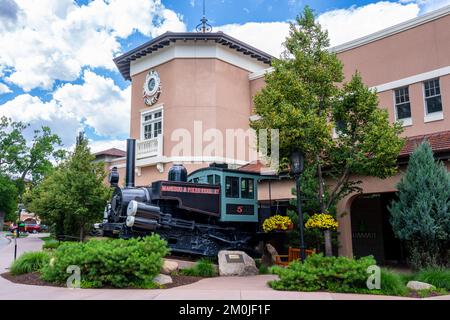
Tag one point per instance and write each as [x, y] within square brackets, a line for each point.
[371, 230]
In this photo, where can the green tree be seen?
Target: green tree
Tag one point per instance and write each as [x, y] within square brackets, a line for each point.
[12, 143]
[8, 200]
[73, 195]
[304, 99]
[36, 160]
[421, 215]
[27, 160]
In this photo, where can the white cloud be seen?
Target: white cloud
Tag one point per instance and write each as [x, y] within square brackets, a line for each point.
[347, 24]
[266, 36]
[100, 145]
[97, 103]
[38, 113]
[428, 5]
[4, 88]
[343, 25]
[58, 37]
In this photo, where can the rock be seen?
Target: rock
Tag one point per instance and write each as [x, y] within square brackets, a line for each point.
[169, 267]
[236, 263]
[417, 286]
[162, 279]
[272, 251]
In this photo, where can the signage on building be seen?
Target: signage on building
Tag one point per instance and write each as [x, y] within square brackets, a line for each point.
[152, 88]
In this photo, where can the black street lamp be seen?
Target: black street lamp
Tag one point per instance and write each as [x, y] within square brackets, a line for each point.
[297, 165]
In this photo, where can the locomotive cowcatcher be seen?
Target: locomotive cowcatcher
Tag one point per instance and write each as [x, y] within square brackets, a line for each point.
[209, 210]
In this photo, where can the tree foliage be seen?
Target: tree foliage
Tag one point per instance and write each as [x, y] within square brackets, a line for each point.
[27, 160]
[8, 200]
[304, 98]
[421, 215]
[73, 195]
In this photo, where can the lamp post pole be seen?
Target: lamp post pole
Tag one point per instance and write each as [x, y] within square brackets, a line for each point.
[297, 164]
[300, 219]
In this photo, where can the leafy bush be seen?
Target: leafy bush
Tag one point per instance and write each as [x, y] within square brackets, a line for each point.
[438, 277]
[203, 268]
[30, 262]
[338, 274]
[114, 262]
[263, 269]
[50, 244]
[392, 284]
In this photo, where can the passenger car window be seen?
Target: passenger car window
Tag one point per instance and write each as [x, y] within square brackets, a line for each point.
[232, 187]
[247, 188]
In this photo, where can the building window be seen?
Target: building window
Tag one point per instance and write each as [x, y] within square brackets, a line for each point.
[152, 124]
[402, 104]
[247, 188]
[232, 187]
[433, 101]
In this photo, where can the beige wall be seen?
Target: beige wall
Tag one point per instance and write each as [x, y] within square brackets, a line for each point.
[207, 90]
[255, 86]
[414, 51]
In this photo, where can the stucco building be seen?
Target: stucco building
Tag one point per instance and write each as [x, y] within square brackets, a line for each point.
[190, 84]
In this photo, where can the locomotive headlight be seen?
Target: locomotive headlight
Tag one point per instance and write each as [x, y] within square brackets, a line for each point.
[130, 221]
[132, 208]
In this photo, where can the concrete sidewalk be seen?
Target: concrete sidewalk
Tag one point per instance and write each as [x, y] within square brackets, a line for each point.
[220, 288]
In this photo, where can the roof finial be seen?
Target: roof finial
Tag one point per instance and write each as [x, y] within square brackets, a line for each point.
[204, 26]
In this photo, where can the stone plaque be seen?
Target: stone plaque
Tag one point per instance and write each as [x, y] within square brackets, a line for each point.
[234, 258]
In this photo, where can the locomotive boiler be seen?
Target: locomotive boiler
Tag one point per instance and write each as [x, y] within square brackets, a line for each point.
[211, 209]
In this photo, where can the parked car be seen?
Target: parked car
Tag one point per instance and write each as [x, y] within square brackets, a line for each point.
[31, 228]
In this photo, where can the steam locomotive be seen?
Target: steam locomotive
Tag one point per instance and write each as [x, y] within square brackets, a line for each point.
[209, 210]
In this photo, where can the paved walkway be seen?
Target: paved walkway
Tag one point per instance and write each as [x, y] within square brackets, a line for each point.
[220, 288]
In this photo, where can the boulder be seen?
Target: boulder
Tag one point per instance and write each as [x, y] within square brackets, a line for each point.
[272, 252]
[169, 266]
[236, 263]
[162, 279]
[417, 286]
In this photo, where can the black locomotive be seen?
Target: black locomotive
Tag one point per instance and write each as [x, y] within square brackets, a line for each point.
[209, 210]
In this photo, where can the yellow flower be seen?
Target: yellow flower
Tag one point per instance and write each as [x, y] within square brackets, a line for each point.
[322, 221]
[276, 222]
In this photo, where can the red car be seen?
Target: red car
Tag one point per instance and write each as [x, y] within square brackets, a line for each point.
[31, 228]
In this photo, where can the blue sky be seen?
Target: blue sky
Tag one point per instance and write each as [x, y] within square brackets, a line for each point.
[56, 55]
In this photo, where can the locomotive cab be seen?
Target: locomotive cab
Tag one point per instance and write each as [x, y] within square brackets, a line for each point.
[238, 192]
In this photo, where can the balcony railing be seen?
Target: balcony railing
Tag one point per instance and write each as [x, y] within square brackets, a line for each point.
[149, 148]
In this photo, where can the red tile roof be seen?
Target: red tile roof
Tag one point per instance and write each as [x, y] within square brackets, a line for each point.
[111, 152]
[254, 166]
[439, 142]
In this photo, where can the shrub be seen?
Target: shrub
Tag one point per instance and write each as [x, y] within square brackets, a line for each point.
[203, 268]
[392, 284]
[30, 262]
[338, 274]
[50, 244]
[420, 217]
[115, 262]
[263, 269]
[438, 277]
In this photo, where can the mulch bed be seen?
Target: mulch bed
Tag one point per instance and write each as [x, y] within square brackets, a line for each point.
[35, 280]
[30, 279]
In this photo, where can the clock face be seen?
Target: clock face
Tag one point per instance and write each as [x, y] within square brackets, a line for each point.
[151, 84]
[152, 88]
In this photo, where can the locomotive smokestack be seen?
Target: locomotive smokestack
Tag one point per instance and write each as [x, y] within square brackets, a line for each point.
[131, 162]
